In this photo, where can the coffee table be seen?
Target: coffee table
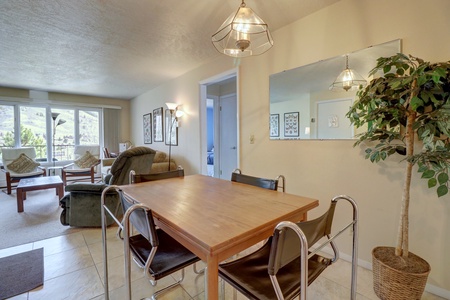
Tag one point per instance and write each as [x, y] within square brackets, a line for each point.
[38, 183]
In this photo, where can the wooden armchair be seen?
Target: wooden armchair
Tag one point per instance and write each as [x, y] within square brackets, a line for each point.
[19, 163]
[84, 164]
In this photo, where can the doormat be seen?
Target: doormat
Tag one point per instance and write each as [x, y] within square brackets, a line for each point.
[20, 273]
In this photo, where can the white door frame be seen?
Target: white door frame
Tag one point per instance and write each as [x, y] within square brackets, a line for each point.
[203, 88]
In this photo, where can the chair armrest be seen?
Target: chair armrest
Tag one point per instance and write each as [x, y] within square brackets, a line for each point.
[68, 165]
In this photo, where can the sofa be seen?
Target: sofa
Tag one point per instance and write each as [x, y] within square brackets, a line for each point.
[160, 164]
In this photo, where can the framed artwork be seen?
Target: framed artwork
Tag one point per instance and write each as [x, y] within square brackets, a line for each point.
[158, 125]
[291, 124]
[147, 123]
[171, 129]
[274, 125]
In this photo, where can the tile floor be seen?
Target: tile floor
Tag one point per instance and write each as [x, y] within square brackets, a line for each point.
[74, 270]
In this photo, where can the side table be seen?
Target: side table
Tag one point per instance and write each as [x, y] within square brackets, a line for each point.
[38, 183]
[52, 170]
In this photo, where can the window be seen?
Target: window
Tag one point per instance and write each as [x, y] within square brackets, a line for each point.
[53, 137]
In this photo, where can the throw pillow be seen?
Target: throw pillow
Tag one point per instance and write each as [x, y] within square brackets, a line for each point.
[86, 161]
[22, 164]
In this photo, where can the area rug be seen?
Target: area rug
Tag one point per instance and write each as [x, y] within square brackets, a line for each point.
[38, 221]
[21, 272]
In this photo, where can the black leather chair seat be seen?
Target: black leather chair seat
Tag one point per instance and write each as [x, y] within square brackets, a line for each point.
[249, 274]
[172, 256]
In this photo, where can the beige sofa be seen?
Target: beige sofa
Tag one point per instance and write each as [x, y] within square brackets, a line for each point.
[160, 163]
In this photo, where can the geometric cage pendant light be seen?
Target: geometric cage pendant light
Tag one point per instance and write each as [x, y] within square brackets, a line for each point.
[348, 79]
[243, 34]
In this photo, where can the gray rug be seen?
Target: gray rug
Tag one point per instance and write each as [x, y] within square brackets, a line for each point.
[39, 221]
[21, 272]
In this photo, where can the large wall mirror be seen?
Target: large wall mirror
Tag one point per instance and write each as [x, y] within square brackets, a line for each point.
[302, 106]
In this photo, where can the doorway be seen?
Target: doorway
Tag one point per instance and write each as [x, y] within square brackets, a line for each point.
[219, 122]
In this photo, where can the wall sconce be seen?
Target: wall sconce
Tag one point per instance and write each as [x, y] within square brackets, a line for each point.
[175, 114]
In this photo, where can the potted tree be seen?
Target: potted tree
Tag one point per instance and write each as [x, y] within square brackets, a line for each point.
[409, 103]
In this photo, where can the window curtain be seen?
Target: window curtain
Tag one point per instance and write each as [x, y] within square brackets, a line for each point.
[111, 121]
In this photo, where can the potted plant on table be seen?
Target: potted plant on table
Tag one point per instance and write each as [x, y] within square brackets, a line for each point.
[410, 103]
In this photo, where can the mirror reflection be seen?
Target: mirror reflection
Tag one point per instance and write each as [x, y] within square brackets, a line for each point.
[305, 105]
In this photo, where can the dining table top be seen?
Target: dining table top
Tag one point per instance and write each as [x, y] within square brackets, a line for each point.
[216, 218]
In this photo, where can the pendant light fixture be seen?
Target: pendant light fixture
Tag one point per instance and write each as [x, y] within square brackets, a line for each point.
[348, 79]
[243, 34]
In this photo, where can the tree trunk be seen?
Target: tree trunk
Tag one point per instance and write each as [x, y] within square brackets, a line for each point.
[403, 228]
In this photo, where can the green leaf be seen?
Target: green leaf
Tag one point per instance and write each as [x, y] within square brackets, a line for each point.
[442, 178]
[416, 102]
[428, 174]
[442, 190]
[432, 182]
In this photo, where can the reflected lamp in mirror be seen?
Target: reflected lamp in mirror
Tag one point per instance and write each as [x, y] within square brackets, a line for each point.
[348, 79]
[322, 112]
[243, 34]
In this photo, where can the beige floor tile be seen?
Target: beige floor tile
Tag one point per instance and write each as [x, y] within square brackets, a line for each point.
[67, 262]
[94, 235]
[82, 284]
[60, 243]
[115, 249]
[116, 272]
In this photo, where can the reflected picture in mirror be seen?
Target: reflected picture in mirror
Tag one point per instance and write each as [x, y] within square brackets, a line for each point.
[309, 90]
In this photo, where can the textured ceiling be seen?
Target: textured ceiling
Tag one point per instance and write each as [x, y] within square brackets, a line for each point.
[118, 48]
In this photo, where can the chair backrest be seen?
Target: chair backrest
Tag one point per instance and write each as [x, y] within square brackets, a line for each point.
[80, 150]
[138, 159]
[271, 184]
[286, 244]
[138, 178]
[106, 153]
[142, 221]
[10, 154]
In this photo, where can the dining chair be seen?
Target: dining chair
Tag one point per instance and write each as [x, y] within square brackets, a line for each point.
[138, 178]
[292, 259]
[271, 184]
[156, 252]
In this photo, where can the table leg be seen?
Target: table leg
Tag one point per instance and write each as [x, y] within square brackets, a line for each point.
[212, 278]
[60, 191]
[19, 200]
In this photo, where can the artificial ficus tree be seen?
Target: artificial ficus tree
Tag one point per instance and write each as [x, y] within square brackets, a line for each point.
[409, 103]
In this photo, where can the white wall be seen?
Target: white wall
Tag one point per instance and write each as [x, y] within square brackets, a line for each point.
[322, 169]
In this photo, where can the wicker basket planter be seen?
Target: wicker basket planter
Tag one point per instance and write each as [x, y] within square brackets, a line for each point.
[395, 278]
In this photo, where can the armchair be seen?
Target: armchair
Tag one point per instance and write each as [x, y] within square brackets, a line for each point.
[82, 206]
[20, 163]
[84, 164]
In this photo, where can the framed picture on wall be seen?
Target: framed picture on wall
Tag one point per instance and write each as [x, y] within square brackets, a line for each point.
[171, 129]
[158, 133]
[291, 124]
[274, 125]
[147, 123]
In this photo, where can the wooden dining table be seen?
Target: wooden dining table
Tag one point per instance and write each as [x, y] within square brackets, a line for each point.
[216, 218]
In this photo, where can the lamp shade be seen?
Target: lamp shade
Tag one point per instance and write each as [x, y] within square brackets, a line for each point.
[171, 105]
[348, 79]
[243, 34]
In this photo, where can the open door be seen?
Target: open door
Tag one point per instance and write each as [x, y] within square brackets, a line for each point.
[219, 119]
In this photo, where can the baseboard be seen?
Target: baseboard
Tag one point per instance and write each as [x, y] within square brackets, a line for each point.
[368, 265]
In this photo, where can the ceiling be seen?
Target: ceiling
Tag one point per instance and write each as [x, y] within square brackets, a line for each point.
[118, 48]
